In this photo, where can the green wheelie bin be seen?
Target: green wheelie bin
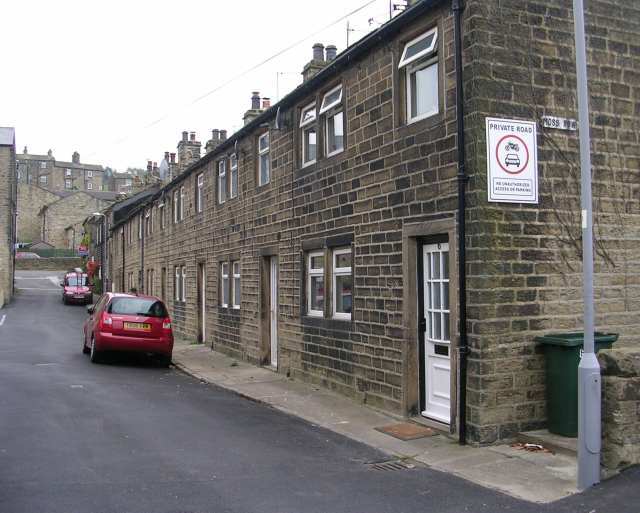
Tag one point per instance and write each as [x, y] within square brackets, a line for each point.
[562, 356]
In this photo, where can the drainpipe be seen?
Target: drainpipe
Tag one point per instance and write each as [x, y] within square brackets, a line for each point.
[463, 348]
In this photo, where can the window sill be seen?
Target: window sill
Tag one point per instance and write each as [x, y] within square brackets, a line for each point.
[323, 322]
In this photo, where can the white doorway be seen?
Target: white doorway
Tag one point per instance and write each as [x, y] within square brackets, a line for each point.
[273, 310]
[201, 289]
[437, 337]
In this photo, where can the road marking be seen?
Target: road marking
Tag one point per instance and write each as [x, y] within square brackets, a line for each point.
[2, 319]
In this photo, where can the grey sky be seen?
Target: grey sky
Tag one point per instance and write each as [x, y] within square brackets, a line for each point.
[93, 77]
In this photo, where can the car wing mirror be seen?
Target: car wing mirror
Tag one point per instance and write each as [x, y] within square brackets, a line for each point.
[91, 309]
[62, 284]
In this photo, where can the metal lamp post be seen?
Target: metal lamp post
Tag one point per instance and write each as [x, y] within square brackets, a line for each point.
[589, 381]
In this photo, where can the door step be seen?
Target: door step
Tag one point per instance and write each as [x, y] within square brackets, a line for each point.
[556, 443]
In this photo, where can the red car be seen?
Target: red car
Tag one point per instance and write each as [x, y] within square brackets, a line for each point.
[75, 288]
[128, 322]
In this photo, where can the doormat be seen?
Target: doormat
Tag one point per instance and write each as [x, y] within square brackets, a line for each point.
[406, 431]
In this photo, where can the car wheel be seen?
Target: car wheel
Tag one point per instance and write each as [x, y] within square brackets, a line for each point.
[95, 354]
[85, 349]
[164, 360]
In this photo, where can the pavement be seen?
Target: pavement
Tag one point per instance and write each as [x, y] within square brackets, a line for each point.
[532, 476]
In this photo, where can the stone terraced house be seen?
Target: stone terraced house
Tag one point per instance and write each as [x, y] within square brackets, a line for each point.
[8, 200]
[323, 239]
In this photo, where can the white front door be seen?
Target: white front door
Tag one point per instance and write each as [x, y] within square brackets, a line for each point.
[203, 302]
[273, 310]
[437, 339]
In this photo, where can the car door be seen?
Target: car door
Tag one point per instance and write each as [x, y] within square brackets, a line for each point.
[93, 318]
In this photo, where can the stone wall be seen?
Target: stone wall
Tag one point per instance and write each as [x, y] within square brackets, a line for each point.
[48, 264]
[31, 199]
[620, 407]
[7, 211]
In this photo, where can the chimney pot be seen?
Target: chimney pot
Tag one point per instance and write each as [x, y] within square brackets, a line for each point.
[266, 103]
[215, 135]
[149, 165]
[255, 100]
[172, 157]
[185, 136]
[318, 52]
[223, 135]
[166, 156]
[331, 52]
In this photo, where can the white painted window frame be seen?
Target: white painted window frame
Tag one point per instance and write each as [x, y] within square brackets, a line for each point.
[307, 125]
[224, 284]
[404, 61]
[261, 152]
[236, 284]
[410, 70]
[233, 176]
[314, 273]
[199, 192]
[222, 181]
[328, 116]
[183, 289]
[340, 271]
[181, 203]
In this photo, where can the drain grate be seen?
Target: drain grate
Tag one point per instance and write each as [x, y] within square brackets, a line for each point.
[392, 465]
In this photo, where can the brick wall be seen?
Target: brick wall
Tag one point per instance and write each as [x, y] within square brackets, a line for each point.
[7, 211]
[394, 187]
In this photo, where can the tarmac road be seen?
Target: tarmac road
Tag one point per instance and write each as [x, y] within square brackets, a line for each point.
[130, 436]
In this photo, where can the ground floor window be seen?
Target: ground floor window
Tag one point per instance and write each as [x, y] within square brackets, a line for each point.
[224, 284]
[335, 288]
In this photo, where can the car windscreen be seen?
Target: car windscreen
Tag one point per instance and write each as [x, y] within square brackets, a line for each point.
[137, 306]
[74, 280]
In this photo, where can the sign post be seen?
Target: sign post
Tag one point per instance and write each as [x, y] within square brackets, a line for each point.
[512, 161]
[589, 386]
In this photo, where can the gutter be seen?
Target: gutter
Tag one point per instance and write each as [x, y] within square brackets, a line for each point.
[463, 346]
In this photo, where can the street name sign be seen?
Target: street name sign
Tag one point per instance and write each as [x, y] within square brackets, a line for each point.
[512, 161]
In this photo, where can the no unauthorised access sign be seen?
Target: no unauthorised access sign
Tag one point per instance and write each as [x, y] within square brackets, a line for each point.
[512, 161]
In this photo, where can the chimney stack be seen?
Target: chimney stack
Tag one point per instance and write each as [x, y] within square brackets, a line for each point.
[25, 150]
[223, 135]
[192, 136]
[172, 158]
[255, 109]
[166, 157]
[188, 150]
[149, 166]
[316, 63]
[185, 136]
[331, 52]
[75, 158]
[50, 153]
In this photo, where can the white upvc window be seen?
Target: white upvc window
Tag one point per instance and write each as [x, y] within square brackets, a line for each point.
[67, 172]
[89, 186]
[264, 171]
[233, 164]
[333, 113]
[175, 206]
[181, 203]
[43, 179]
[199, 192]
[43, 165]
[177, 287]
[342, 284]
[309, 135]
[89, 174]
[222, 181]
[183, 291]
[235, 268]
[67, 184]
[161, 214]
[420, 62]
[315, 284]
[224, 284]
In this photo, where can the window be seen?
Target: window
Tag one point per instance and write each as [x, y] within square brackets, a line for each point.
[333, 121]
[67, 172]
[140, 226]
[315, 288]
[199, 191]
[67, 184]
[161, 214]
[234, 176]
[342, 284]
[89, 186]
[309, 135]
[264, 175]
[420, 61]
[179, 283]
[175, 206]
[43, 180]
[43, 165]
[128, 182]
[222, 181]
[224, 284]
[148, 221]
[181, 203]
[89, 174]
[235, 266]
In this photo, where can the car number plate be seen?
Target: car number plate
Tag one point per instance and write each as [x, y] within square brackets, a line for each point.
[137, 326]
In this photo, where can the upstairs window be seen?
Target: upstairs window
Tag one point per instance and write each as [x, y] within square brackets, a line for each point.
[199, 192]
[43, 165]
[181, 203]
[233, 160]
[420, 63]
[161, 214]
[264, 173]
[332, 110]
[67, 172]
[89, 174]
[176, 201]
[222, 181]
[308, 134]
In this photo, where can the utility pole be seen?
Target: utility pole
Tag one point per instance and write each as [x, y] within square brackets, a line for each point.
[589, 381]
